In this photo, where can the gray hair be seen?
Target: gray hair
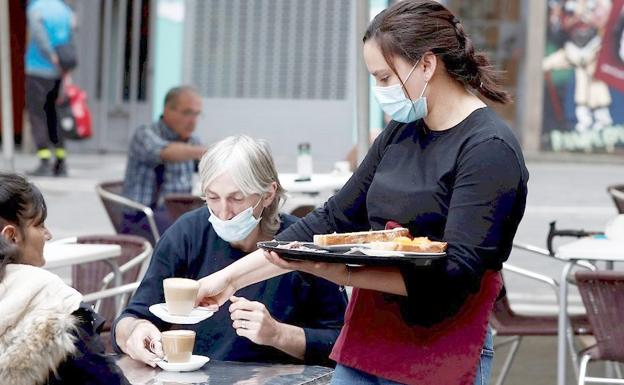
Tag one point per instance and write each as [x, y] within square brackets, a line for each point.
[250, 164]
[174, 93]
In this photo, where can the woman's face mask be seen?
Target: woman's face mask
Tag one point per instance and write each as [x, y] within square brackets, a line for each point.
[237, 228]
[393, 101]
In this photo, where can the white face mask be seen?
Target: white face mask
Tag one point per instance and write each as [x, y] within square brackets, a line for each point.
[393, 101]
[237, 228]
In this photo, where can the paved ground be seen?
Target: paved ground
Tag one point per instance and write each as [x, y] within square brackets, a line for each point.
[572, 193]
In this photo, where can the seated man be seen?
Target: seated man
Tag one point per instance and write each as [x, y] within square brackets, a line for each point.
[292, 318]
[161, 159]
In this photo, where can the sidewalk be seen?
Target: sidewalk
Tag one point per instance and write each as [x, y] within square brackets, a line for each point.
[535, 363]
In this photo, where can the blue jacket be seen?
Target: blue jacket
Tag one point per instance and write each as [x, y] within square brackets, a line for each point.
[49, 25]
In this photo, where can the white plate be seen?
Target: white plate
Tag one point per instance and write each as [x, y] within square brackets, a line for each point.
[386, 253]
[345, 246]
[195, 377]
[195, 363]
[365, 248]
[197, 315]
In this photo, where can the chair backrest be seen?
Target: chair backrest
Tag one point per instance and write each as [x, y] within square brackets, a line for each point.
[617, 194]
[118, 207]
[133, 261]
[603, 296]
[302, 211]
[178, 204]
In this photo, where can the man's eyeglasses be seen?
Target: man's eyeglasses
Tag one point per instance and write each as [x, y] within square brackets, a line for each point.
[188, 113]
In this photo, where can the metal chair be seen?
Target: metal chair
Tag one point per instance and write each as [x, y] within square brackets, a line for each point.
[617, 194]
[603, 295]
[117, 206]
[94, 279]
[302, 211]
[178, 204]
[507, 323]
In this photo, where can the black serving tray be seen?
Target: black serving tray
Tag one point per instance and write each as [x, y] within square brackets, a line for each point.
[345, 255]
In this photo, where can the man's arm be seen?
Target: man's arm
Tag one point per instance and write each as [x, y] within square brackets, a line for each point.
[291, 340]
[40, 36]
[180, 152]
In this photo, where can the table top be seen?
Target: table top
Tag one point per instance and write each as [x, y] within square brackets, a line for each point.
[331, 182]
[58, 254]
[318, 183]
[598, 249]
[228, 373]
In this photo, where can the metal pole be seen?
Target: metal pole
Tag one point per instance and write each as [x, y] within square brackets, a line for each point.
[531, 100]
[362, 17]
[134, 63]
[6, 86]
[118, 89]
[105, 69]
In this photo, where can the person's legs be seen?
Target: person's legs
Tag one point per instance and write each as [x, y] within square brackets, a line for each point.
[484, 367]
[56, 138]
[344, 375]
[37, 90]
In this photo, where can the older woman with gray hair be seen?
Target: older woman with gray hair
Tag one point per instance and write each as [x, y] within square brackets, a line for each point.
[293, 318]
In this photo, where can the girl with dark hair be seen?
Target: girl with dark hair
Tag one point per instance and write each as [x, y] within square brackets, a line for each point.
[47, 335]
[446, 167]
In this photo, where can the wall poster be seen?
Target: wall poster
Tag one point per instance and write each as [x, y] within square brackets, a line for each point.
[584, 77]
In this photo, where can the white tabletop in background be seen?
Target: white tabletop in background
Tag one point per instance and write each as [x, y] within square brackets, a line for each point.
[601, 249]
[58, 254]
[318, 182]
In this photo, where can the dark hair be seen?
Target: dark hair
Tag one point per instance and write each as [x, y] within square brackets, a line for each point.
[410, 28]
[20, 201]
[173, 94]
[8, 253]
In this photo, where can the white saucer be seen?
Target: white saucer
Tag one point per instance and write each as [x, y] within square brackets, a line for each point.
[195, 363]
[197, 315]
[195, 377]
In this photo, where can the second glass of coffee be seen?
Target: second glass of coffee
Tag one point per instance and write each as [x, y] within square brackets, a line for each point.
[178, 345]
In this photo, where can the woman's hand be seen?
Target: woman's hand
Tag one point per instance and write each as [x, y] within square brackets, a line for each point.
[252, 320]
[335, 272]
[143, 336]
[215, 290]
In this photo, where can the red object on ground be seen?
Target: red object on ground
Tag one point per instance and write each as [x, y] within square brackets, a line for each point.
[80, 111]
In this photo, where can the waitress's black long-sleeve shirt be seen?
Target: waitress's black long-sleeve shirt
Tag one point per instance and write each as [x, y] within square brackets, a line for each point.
[466, 185]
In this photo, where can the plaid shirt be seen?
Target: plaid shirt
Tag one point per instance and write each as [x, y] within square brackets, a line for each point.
[147, 173]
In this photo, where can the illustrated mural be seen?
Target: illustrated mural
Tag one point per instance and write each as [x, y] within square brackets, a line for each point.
[584, 76]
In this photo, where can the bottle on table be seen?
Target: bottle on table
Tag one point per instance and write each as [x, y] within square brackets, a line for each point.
[304, 162]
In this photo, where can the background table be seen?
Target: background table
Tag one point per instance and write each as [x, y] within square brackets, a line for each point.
[313, 192]
[318, 183]
[228, 373]
[590, 249]
[62, 254]
[59, 254]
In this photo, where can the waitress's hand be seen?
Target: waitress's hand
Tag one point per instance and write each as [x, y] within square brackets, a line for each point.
[335, 272]
[215, 290]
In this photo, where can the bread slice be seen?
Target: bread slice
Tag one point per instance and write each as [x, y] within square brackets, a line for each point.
[360, 237]
[418, 245]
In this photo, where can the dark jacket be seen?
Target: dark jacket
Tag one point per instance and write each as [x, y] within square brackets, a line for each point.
[59, 349]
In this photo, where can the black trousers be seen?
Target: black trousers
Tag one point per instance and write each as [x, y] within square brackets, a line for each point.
[41, 95]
